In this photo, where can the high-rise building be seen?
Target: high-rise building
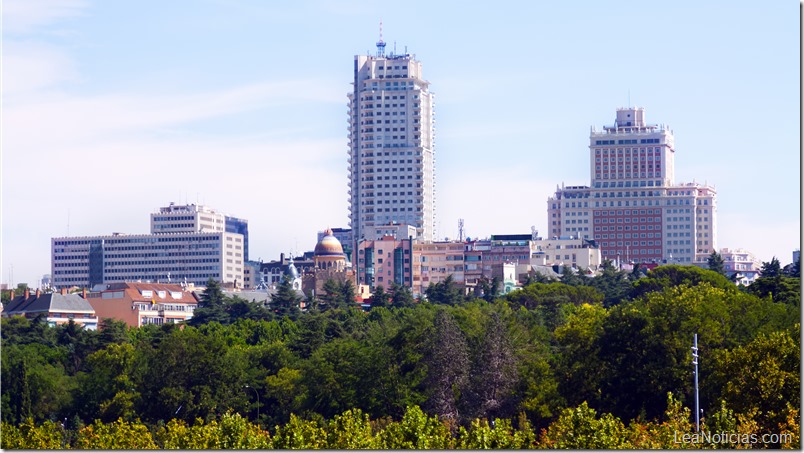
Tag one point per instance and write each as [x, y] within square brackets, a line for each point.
[633, 208]
[391, 152]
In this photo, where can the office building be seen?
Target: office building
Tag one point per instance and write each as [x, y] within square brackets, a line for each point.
[391, 145]
[188, 244]
[633, 209]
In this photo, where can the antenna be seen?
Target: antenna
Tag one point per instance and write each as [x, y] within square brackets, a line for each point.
[460, 230]
[68, 222]
[380, 43]
[629, 98]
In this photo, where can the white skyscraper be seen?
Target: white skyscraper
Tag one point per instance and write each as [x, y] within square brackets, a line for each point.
[391, 154]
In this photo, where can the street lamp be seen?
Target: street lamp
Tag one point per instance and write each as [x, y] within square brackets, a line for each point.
[258, 402]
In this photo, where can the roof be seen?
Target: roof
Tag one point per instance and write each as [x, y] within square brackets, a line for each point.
[50, 302]
[135, 289]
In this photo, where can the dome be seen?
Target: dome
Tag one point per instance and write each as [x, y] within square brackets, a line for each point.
[291, 271]
[329, 245]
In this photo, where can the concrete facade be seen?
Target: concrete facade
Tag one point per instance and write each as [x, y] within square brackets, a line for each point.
[633, 208]
[187, 244]
[138, 304]
[391, 145]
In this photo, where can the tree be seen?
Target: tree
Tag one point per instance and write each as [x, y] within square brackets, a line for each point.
[494, 373]
[400, 296]
[211, 307]
[285, 302]
[447, 367]
[380, 298]
[347, 294]
[581, 429]
[771, 269]
[715, 263]
[612, 283]
[446, 292]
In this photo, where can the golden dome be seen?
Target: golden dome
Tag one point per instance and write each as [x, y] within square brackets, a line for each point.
[329, 245]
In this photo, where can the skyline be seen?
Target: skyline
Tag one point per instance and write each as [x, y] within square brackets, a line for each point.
[111, 110]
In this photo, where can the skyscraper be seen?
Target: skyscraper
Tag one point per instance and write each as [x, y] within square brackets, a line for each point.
[391, 154]
[633, 208]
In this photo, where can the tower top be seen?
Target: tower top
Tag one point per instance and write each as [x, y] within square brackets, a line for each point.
[380, 44]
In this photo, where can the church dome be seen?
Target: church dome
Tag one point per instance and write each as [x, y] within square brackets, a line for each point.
[291, 271]
[329, 245]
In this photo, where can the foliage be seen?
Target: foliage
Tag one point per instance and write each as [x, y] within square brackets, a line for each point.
[299, 434]
[380, 298]
[28, 436]
[715, 263]
[772, 268]
[119, 435]
[446, 292]
[580, 428]
[667, 276]
[415, 431]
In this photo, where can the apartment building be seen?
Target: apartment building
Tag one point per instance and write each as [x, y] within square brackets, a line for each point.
[391, 145]
[138, 304]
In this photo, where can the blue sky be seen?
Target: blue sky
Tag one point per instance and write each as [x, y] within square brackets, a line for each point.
[113, 109]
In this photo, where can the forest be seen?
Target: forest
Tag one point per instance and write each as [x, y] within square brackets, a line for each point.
[579, 362]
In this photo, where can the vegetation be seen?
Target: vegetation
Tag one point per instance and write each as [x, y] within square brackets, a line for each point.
[580, 363]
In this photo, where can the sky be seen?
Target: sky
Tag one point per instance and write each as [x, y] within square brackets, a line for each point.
[112, 109]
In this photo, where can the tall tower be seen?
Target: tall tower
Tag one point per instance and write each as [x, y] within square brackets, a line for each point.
[391, 153]
[633, 208]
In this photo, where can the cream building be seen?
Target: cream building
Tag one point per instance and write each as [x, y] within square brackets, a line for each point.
[391, 145]
[633, 208]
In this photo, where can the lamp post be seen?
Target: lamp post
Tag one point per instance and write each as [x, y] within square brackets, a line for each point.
[258, 402]
[695, 363]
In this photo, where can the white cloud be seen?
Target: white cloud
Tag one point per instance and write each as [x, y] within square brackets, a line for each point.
[25, 16]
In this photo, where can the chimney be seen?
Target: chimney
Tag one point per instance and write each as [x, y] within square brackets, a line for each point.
[12, 295]
[64, 291]
[84, 293]
[38, 293]
[27, 293]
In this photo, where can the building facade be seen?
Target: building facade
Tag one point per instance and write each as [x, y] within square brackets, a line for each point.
[741, 265]
[138, 304]
[187, 244]
[391, 145]
[385, 261]
[632, 208]
[56, 308]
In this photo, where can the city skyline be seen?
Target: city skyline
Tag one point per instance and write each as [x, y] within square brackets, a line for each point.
[114, 109]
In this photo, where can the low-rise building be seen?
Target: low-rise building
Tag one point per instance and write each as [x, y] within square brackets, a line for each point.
[138, 304]
[56, 308]
[741, 264]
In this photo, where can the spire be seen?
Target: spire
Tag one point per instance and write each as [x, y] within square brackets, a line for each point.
[380, 43]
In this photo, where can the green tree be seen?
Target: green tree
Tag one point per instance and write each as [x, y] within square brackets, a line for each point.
[28, 436]
[401, 296]
[415, 431]
[715, 262]
[212, 307]
[762, 378]
[581, 429]
[446, 292]
[578, 366]
[299, 434]
[119, 435]
[380, 298]
[350, 431]
[772, 268]
[285, 302]
[612, 283]
[667, 276]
